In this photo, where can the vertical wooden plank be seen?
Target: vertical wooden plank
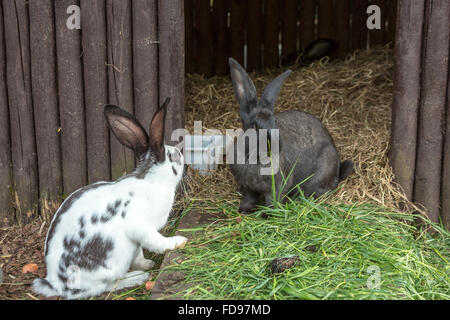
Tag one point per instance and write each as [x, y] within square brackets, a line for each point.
[237, 30]
[307, 24]
[326, 26]
[377, 37]
[204, 29]
[93, 24]
[445, 190]
[342, 27]
[45, 104]
[189, 35]
[171, 63]
[254, 37]
[392, 17]
[221, 51]
[23, 148]
[427, 185]
[145, 59]
[71, 100]
[289, 31]
[272, 32]
[406, 94]
[6, 208]
[120, 82]
[359, 27]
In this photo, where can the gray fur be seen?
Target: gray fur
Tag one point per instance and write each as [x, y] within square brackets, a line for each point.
[306, 147]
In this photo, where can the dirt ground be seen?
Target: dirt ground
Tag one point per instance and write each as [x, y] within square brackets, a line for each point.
[19, 247]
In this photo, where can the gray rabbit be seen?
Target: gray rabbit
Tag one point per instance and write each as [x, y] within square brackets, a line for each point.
[306, 150]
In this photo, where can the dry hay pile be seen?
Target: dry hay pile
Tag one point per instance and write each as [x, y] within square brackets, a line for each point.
[352, 98]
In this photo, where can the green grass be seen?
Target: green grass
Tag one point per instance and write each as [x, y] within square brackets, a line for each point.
[363, 252]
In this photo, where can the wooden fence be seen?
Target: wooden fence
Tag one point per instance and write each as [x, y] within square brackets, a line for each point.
[54, 81]
[420, 146]
[267, 31]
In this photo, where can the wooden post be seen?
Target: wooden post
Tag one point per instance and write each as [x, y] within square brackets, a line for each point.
[204, 35]
[254, 35]
[445, 193]
[23, 148]
[93, 24]
[359, 28]
[120, 70]
[171, 63]
[237, 30]
[427, 186]
[189, 35]
[289, 31]
[377, 37]
[71, 100]
[342, 27]
[307, 25]
[145, 59]
[221, 50]
[6, 209]
[405, 108]
[45, 104]
[272, 31]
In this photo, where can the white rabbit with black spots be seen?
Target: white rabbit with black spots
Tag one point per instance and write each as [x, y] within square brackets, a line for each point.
[100, 230]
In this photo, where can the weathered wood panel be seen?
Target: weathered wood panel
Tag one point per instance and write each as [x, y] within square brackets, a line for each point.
[171, 63]
[307, 24]
[407, 85]
[189, 35]
[93, 24]
[326, 26]
[221, 43]
[23, 148]
[204, 34]
[6, 209]
[445, 192]
[254, 35]
[145, 59]
[272, 32]
[289, 30]
[237, 30]
[45, 103]
[377, 36]
[359, 28]
[427, 186]
[71, 100]
[120, 72]
[342, 27]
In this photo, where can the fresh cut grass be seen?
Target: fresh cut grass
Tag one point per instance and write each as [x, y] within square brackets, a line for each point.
[345, 252]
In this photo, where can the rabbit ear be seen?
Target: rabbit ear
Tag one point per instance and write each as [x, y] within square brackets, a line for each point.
[244, 89]
[271, 92]
[126, 128]
[156, 140]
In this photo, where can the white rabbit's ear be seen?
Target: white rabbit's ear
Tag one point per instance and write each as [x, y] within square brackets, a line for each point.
[126, 128]
[271, 92]
[244, 90]
[156, 139]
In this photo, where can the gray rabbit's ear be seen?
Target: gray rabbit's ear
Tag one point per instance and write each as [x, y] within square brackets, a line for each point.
[271, 92]
[126, 128]
[244, 89]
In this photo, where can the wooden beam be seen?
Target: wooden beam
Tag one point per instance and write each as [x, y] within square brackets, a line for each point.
[71, 100]
[406, 97]
[427, 185]
[93, 23]
[45, 104]
[18, 76]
